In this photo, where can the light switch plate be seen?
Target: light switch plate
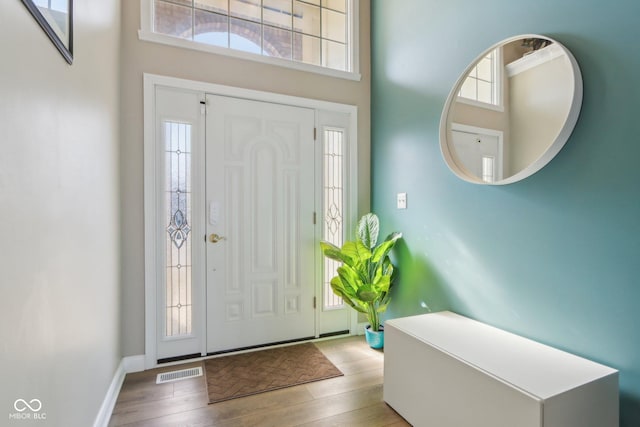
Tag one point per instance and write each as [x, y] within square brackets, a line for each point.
[402, 200]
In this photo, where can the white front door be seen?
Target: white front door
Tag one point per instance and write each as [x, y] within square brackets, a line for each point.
[260, 223]
[249, 174]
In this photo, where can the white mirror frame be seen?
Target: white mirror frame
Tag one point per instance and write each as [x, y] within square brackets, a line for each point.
[554, 147]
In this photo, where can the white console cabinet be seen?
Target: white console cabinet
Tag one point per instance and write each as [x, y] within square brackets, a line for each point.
[445, 370]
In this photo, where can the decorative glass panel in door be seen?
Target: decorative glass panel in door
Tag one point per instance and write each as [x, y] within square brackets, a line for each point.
[336, 210]
[179, 270]
[178, 319]
[333, 230]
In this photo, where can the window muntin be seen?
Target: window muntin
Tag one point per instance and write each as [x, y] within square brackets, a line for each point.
[315, 32]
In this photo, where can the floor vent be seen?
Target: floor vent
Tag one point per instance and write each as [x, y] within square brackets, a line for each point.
[183, 374]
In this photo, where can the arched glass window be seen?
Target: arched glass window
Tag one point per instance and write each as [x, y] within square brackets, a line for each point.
[314, 32]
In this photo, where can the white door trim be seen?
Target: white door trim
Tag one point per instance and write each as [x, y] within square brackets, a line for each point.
[150, 81]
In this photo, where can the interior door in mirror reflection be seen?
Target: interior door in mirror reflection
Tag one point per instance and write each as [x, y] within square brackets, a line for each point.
[479, 154]
[539, 89]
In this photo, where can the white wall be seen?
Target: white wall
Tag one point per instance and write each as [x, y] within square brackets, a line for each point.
[59, 214]
[140, 57]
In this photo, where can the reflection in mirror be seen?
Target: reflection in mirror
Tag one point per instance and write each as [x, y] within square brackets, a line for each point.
[511, 111]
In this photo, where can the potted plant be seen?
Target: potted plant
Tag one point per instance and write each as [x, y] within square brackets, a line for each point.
[365, 277]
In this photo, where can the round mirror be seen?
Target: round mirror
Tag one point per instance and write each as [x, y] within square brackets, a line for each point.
[511, 111]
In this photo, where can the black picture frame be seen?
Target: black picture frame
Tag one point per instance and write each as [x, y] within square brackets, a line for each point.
[50, 18]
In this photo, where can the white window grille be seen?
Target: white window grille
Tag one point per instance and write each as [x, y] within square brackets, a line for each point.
[316, 32]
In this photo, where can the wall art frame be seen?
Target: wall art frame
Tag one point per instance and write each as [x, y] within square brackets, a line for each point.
[56, 19]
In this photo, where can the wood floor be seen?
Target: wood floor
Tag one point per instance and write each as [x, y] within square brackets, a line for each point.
[352, 400]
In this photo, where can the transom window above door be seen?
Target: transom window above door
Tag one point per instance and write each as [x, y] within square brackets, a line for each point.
[315, 33]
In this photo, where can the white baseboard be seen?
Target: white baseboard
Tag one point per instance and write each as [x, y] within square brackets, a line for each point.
[133, 363]
[104, 415]
[127, 365]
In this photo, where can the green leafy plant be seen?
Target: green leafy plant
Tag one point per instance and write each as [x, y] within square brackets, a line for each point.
[365, 277]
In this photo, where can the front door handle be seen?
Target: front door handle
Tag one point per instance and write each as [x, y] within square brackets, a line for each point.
[214, 238]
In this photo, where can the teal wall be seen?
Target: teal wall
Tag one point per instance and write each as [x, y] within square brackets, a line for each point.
[555, 257]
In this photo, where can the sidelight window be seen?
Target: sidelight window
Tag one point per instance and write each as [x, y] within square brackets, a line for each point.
[334, 207]
[178, 220]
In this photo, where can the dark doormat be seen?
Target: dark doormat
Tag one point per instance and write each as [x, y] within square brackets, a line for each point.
[245, 374]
